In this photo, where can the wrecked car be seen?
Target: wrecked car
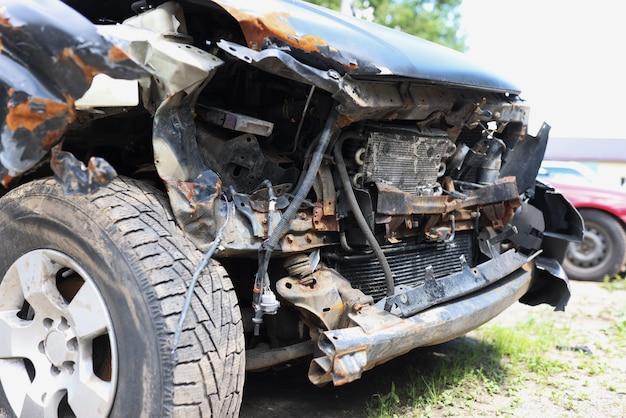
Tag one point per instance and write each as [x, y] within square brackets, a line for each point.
[198, 189]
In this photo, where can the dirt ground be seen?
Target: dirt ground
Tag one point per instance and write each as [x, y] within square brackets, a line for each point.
[595, 385]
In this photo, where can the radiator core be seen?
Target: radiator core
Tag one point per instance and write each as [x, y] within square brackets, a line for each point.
[407, 160]
[408, 263]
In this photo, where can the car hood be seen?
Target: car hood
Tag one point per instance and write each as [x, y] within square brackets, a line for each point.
[323, 38]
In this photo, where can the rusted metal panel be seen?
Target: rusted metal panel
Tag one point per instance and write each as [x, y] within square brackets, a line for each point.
[380, 336]
[392, 201]
[49, 55]
[323, 293]
[468, 280]
[195, 205]
[268, 26]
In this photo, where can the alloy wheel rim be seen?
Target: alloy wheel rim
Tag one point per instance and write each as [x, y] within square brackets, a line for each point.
[57, 354]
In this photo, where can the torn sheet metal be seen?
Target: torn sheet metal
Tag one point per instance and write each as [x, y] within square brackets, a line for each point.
[192, 188]
[360, 99]
[49, 55]
[175, 64]
[195, 205]
[180, 70]
[525, 158]
[75, 176]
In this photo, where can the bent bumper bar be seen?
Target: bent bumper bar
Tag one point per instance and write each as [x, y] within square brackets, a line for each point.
[381, 336]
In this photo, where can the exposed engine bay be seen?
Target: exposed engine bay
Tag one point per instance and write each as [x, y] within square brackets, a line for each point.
[344, 197]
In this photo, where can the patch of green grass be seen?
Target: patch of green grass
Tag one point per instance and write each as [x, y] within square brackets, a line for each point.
[383, 405]
[620, 331]
[499, 363]
[454, 376]
[617, 331]
[525, 345]
[617, 282]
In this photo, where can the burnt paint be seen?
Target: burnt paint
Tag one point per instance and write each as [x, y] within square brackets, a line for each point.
[76, 177]
[361, 48]
[194, 204]
[49, 55]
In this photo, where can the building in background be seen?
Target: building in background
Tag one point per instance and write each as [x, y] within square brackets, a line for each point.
[606, 156]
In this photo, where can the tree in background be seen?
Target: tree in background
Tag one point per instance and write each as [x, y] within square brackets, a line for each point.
[435, 20]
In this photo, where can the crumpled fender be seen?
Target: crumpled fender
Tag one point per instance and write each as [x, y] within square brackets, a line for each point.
[49, 55]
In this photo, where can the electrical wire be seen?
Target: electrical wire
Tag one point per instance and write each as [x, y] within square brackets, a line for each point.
[203, 264]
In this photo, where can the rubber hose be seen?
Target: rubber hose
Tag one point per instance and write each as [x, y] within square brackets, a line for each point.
[303, 190]
[362, 222]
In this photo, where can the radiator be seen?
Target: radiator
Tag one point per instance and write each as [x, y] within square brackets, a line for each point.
[408, 263]
[407, 160]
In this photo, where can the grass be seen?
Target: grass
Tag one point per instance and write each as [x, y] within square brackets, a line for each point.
[617, 282]
[501, 363]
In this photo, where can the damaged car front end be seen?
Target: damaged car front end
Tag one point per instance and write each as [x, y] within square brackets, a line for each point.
[366, 192]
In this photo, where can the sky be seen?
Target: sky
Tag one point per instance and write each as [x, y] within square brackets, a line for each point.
[567, 57]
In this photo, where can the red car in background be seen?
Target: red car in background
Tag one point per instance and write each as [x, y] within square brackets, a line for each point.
[602, 251]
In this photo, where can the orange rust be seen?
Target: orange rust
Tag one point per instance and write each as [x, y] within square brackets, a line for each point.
[90, 72]
[117, 54]
[257, 29]
[309, 42]
[22, 115]
[6, 180]
[343, 121]
[52, 138]
[187, 188]
[5, 21]
[93, 169]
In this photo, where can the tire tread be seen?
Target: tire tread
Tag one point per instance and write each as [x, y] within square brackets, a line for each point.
[201, 381]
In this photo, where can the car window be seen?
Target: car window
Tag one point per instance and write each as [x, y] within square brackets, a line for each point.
[563, 172]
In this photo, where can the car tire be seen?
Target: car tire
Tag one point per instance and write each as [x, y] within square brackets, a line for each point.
[603, 249]
[91, 292]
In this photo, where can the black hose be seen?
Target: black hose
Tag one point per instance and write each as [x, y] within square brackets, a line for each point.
[283, 225]
[358, 215]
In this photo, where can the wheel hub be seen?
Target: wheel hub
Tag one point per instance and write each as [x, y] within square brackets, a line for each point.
[55, 347]
[589, 252]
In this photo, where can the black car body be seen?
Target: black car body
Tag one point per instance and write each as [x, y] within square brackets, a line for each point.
[356, 193]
